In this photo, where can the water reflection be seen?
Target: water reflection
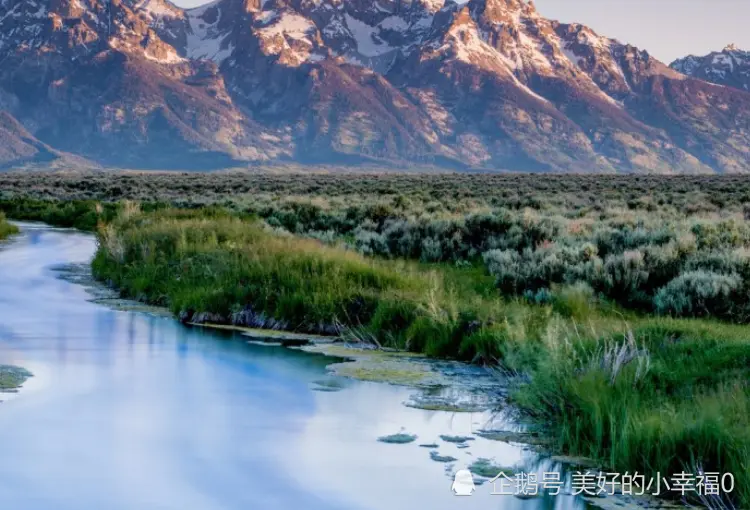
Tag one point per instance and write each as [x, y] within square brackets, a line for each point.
[131, 411]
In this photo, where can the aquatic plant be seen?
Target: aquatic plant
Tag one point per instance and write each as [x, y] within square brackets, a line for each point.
[434, 455]
[456, 439]
[487, 469]
[11, 378]
[400, 438]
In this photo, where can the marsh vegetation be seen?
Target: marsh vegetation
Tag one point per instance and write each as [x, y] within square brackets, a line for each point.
[6, 229]
[618, 304]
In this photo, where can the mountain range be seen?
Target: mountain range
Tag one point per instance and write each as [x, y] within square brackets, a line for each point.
[485, 84]
[729, 67]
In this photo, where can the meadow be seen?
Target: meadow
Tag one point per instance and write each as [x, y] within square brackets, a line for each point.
[667, 245]
[617, 304]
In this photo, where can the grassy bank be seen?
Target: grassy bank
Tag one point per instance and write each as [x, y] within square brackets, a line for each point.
[199, 262]
[640, 393]
[6, 229]
[80, 214]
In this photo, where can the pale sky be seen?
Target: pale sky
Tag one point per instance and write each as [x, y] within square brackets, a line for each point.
[668, 29]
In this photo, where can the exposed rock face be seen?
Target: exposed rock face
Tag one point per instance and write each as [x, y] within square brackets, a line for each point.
[18, 146]
[729, 67]
[488, 84]
[94, 78]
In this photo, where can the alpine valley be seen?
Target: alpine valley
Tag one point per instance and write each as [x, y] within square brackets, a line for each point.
[487, 84]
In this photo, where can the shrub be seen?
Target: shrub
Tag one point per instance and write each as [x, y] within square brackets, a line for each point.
[623, 278]
[725, 234]
[699, 293]
[432, 251]
[542, 296]
[80, 214]
[723, 262]
[506, 267]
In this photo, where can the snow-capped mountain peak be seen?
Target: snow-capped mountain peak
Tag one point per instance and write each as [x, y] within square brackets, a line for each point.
[485, 83]
[729, 67]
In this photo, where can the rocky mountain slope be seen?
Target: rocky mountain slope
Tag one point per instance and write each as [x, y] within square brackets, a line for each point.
[485, 84]
[18, 146]
[729, 67]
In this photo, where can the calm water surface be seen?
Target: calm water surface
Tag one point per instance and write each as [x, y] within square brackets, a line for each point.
[131, 411]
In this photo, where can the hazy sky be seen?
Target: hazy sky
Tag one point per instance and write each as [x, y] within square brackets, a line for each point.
[666, 28]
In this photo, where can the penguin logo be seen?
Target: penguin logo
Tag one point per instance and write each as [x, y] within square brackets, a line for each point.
[463, 483]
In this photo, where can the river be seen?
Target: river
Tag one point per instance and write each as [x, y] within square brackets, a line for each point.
[131, 411]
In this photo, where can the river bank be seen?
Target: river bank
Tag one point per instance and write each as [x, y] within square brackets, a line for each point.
[437, 387]
[606, 380]
[599, 382]
[115, 426]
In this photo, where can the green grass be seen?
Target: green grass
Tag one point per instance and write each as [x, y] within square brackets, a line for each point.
[678, 403]
[80, 214]
[637, 393]
[6, 229]
[212, 262]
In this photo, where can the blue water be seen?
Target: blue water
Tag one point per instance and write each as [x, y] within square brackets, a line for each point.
[129, 411]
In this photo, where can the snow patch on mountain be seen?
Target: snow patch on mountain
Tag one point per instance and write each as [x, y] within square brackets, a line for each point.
[434, 5]
[369, 44]
[204, 39]
[289, 25]
[571, 55]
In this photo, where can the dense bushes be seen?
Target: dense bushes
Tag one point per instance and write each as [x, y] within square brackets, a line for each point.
[702, 293]
[630, 239]
[453, 240]
[644, 269]
[625, 257]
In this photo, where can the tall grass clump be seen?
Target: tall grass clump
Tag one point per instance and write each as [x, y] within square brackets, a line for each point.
[663, 397]
[6, 229]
